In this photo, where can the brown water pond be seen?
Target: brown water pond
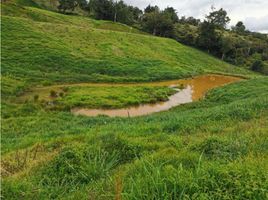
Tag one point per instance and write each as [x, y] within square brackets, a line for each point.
[194, 89]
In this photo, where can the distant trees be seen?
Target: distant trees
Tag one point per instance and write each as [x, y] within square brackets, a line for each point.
[219, 18]
[158, 22]
[208, 38]
[116, 11]
[257, 66]
[102, 9]
[65, 5]
[226, 46]
[150, 9]
[189, 20]
[171, 14]
[126, 14]
[239, 27]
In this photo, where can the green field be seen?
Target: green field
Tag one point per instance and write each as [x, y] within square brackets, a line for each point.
[216, 148]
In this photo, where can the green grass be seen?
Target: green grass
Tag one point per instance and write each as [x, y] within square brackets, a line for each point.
[215, 148]
[68, 97]
[212, 149]
[43, 47]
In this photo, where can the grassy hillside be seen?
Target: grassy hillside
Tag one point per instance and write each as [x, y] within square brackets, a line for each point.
[212, 149]
[43, 47]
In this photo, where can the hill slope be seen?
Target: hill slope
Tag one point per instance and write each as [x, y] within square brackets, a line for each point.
[44, 47]
[212, 149]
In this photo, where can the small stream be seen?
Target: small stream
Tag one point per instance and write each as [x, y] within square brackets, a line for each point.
[194, 89]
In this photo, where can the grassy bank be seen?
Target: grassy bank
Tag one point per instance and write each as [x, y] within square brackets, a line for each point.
[68, 97]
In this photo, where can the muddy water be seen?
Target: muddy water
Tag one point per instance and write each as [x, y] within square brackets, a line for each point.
[194, 89]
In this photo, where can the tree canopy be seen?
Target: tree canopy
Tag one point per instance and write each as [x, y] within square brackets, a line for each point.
[219, 18]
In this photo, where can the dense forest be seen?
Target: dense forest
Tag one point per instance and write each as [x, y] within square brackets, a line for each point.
[235, 45]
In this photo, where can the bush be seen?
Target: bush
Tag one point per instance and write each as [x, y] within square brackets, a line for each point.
[126, 151]
[65, 89]
[36, 97]
[257, 66]
[75, 166]
[61, 94]
[53, 93]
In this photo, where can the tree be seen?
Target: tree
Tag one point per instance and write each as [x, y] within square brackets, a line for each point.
[157, 23]
[83, 4]
[239, 27]
[136, 12]
[226, 45]
[150, 9]
[208, 38]
[103, 9]
[116, 11]
[72, 4]
[126, 14]
[67, 5]
[257, 66]
[219, 18]
[172, 14]
[190, 20]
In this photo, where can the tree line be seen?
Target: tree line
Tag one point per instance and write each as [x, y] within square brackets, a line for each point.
[237, 46]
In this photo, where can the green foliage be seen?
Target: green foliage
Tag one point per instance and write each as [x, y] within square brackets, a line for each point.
[239, 27]
[67, 5]
[123, 148]
[78, 166]
[208, 38]
[218, 18]
[53, 93]
[158, 23]
[257, 66]
[36, 97]
[116, 11]
[172, 14]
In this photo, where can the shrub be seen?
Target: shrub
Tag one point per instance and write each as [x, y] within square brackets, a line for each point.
[65, 89]
[36, 97]
[61, 94]
[257, 66]
[217, 148]
[53, 93]
[126, 151]
[78, 166]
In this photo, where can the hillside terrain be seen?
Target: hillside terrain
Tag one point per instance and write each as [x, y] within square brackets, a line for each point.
[215, 148]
